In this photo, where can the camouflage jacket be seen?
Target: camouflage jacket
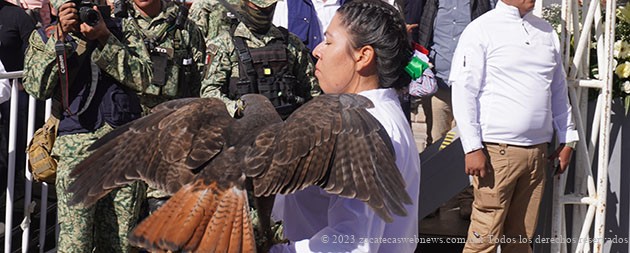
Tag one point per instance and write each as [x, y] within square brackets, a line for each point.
[126, 61]
[210, 16]
[224, 61]
[182, 45]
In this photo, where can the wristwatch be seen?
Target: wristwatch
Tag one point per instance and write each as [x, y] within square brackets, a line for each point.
[571, 144]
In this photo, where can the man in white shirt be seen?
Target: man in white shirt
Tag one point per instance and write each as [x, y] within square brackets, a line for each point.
[509, 95]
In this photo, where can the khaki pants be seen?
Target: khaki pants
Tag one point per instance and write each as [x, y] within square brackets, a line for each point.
[438, 111]
[505, 209]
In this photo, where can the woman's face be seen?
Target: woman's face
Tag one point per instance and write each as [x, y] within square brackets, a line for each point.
[335, 69]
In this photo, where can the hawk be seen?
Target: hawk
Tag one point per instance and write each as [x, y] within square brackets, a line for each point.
[207, 160]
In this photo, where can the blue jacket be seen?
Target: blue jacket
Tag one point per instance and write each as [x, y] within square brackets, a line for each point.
[303, 22]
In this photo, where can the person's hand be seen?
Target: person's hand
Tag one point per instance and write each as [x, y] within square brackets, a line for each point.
[563, 154]
[410, 27]
[97, 32]
[68, 17]
[477, 163]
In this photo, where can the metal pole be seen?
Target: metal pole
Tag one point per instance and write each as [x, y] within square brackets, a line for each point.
[582, 44]
[44, 201]
[28, 181]
[11, 170]
[604, 135]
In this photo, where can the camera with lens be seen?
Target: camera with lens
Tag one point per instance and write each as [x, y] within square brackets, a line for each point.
[86, 12]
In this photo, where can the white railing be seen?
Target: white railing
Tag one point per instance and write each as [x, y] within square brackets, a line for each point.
[588, 196]
[29, 203]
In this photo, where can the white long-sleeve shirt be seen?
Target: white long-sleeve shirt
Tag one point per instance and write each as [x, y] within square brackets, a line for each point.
[316, 221]
[508, 82]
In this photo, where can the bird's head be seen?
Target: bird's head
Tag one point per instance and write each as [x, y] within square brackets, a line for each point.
[255, 104]
[240, 107]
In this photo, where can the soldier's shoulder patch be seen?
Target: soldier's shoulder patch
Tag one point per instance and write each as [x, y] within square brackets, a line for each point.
[212, 48]
[211, 51]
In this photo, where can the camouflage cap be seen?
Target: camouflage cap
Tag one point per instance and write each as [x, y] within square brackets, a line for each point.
[57, 3]
[263, 3]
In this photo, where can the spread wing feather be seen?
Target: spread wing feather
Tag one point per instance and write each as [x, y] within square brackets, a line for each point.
[333, 142]
[165, 149]
[194, 149]
[199, 218]
[210, 214]
[162, 109]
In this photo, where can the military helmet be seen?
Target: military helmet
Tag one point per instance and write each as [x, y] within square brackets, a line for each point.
[263, 3]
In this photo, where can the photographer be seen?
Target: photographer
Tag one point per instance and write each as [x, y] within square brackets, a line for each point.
[93, 71]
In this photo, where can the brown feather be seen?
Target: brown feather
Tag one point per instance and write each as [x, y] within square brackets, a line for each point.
[193, 149]
[181, 136]
[223, 231]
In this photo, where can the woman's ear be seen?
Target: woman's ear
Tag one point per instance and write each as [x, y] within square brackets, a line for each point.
[365, 58]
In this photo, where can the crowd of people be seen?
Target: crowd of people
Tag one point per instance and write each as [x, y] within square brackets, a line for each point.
[125, 57]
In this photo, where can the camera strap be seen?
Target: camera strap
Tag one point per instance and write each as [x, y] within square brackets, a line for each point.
[67, 76]
[62, 63]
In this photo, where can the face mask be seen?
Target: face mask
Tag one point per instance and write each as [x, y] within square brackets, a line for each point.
[258, 21]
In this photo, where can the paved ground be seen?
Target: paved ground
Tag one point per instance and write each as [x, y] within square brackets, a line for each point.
[446, 223]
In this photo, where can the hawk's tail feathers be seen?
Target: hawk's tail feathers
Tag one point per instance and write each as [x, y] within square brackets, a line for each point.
[199, 218]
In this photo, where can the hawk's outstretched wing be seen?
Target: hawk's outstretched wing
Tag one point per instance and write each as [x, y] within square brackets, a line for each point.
[331, 141]
[335, 143]
[164, 149]
[212, 212]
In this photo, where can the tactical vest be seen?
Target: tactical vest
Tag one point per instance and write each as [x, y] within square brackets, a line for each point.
[171, 60]
[94, 97]
[266, 71]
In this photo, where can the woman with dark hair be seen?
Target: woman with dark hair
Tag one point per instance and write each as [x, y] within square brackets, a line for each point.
[365, 51]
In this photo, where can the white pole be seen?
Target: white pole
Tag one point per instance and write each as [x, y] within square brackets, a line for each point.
[43, 211]
[583, 42]
[604, 134]
[28, 181]
[8, 227]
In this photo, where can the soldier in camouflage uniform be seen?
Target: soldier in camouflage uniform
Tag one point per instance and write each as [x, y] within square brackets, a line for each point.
[282, 67]
[149, 37]
[211, 17]
[171, 35]
[106, 70]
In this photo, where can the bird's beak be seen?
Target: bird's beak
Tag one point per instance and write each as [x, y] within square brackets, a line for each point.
[240, 107]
